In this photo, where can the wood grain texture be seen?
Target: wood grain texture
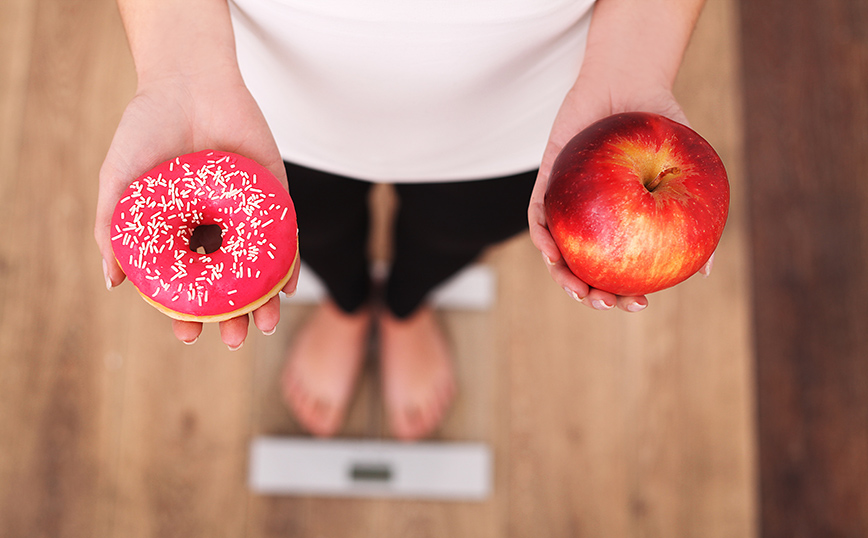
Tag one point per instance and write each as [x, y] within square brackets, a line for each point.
[627, 425]
[602, 424]
[58, 425]
[806, 139]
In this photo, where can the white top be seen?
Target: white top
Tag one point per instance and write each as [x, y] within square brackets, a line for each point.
[411, 90]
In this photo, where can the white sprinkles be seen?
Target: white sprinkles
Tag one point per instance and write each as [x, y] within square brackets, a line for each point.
[161, 213]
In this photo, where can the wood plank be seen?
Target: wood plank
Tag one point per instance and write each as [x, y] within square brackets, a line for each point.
[806, 74]
[17, 25]
[186, 422]
[476, 416]
[602, 424]
[58, 382]
[641, 425]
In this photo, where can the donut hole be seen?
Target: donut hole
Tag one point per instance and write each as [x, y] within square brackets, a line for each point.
[206, 238]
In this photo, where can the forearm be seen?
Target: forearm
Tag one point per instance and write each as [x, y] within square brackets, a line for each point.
[639, 41]
[172, 37]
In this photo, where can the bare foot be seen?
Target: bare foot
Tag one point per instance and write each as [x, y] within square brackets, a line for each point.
[418, 373]
[323, 366]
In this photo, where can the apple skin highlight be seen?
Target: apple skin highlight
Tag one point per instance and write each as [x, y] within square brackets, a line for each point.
[637, 203]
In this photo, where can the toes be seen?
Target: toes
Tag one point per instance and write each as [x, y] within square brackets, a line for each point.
[324, 419]
[296, 398]
[291, 389]
[419, 420]
[407, 424]
[415, 416]
[446, 393]
[323, 366]
[316, 415]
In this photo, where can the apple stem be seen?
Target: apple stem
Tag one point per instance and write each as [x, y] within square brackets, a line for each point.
[654, 183]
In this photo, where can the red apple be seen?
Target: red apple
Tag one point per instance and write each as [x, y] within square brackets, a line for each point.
[636, 203]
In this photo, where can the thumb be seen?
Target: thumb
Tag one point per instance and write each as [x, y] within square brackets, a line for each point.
[111, 189]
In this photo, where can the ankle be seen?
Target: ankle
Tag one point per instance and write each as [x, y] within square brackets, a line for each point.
[422, 314]
[361, 315]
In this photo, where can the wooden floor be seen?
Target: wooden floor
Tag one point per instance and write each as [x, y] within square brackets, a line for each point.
[602, 424]
[807, 63]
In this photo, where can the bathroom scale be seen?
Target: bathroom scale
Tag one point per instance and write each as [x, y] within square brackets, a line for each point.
[473, 288]
[459, 471]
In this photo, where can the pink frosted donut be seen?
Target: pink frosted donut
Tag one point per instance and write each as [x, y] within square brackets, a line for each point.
[207, 236]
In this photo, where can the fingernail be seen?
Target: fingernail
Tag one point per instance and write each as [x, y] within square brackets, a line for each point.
[706, 269]
[636, 307]
[573, 294]
[108, 280]
[269, 333]
[548, 260]
[236, 348]
[599, 304]
[191, 342]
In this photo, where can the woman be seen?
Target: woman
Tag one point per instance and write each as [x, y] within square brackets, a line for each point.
[462, 105]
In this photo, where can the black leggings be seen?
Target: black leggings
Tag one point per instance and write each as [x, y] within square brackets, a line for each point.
[439, 229]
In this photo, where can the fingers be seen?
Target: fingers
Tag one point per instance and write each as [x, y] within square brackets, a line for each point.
[570, 283]
[561, 274]
[266, 316]
[109, 193]
[592, 297]
[632, 304]
[706, 269]
[186, 331]
[112, 273]
[292, 283]
[234, 331]
[111, 270]
[541, 237]
[603, 300]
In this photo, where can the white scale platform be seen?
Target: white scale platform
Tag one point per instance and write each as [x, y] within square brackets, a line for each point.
[361, 468]
[471, 289]
[425, 471]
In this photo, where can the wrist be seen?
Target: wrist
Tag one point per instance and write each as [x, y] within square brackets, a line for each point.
[191, 69]
[635, 45]
[179, 39]
[621, 86]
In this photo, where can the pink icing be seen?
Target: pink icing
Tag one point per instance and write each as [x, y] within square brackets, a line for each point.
[155, 218]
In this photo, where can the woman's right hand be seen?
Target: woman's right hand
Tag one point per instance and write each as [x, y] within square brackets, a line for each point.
[629, 65]
[171, 116]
